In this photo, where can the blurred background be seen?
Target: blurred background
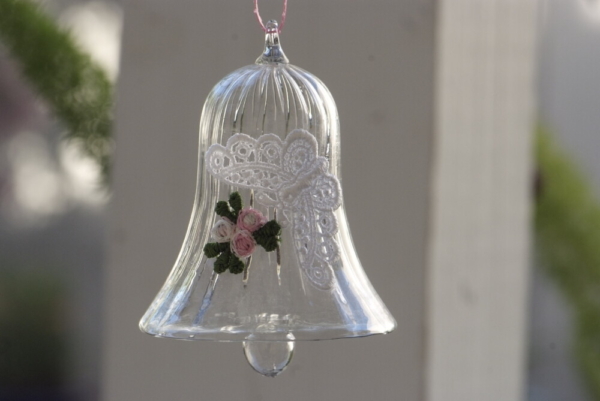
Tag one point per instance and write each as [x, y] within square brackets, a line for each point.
[54, 195]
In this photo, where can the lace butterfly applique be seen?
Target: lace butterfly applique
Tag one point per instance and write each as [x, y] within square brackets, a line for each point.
[291, 176]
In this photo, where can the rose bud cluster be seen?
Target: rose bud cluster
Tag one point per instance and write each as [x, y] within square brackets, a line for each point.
[237, 233]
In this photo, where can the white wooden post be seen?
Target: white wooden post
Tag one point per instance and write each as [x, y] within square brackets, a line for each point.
[427, 91]
[477, 275]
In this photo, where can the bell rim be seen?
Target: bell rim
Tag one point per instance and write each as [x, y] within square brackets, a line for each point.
[298, 335]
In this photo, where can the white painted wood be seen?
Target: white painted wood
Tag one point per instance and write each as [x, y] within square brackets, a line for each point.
[477, 277]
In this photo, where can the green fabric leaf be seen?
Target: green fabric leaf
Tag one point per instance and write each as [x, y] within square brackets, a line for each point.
[270, 229]
[236, 266]
[212, 249]
[222, 263]
[235, 201]
[268, 235]
[269, 243]
[222, 209]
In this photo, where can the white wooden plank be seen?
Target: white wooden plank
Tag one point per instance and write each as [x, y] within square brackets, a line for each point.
[477, 274]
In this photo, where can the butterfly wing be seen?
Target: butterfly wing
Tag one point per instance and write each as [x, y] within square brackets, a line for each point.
[313, 247]
[314, 229]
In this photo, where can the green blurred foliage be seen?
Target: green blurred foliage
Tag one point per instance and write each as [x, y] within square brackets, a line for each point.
[32, 330]
[567, 222]
[77, 89]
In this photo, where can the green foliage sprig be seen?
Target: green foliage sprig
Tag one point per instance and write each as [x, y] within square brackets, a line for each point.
[228, 261]
[77, 89]
[230, 210]
[268, 235]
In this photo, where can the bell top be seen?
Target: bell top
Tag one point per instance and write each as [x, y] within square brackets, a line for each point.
[273, 52]
[272, 96]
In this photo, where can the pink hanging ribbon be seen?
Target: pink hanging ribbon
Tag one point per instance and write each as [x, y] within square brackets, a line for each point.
[283, 15]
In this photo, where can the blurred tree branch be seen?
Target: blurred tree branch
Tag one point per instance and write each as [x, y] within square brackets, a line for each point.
[77, 89]
[567, 220]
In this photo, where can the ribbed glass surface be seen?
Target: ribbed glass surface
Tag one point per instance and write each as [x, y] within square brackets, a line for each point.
[278, 302]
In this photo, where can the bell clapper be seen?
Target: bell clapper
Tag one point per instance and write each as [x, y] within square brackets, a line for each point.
[269, 358]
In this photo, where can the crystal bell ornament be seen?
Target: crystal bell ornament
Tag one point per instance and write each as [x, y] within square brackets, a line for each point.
[268, 258]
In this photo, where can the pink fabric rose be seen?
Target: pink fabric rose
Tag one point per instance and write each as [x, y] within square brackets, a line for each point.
[242, 243]
[223, 230]
[250, 219]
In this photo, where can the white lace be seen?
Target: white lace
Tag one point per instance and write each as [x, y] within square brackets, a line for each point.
[289, 175]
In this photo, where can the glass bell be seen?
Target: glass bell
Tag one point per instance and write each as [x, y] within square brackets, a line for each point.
[270, 133]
